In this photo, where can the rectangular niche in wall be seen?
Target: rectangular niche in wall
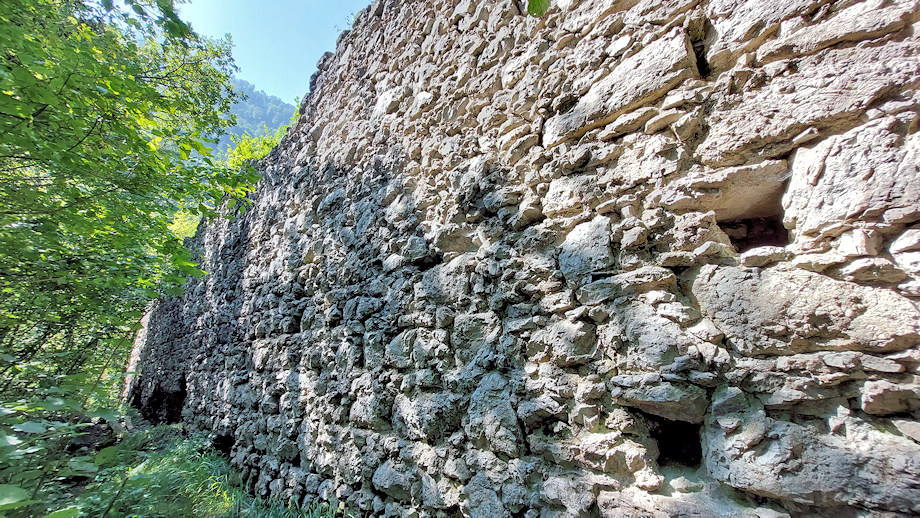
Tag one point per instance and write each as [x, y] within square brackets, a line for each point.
[679, 442]
[746, 234]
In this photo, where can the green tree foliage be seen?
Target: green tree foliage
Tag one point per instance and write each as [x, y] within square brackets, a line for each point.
[105, 112]
[244, 150]
[538, 7]
[257, 114]
[248, 148]
[100, 111]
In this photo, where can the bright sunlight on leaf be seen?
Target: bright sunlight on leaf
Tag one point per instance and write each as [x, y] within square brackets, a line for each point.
[538, 7]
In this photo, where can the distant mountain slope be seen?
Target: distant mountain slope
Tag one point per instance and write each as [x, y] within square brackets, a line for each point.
[258, 112]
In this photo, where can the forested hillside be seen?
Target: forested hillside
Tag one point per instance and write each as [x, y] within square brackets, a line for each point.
[257, 113]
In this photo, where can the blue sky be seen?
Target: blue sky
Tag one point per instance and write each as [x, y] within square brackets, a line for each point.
[276, 43]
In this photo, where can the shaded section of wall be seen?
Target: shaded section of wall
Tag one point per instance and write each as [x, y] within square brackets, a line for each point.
[635, 258]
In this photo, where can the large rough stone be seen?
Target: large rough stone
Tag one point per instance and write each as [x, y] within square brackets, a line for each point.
[886, 398]
[862, 21]
[637, 80]
[646, 278]
[393, 479]
[669, 401]
[733, 193]
[861, 466]
[586, 249]
[491, 421]
[740, 26]
[568, 343]
[772, 311]
[472, 332]
[829, 91]
[866, 174]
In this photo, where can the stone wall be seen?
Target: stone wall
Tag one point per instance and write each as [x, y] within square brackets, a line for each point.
[635, 258]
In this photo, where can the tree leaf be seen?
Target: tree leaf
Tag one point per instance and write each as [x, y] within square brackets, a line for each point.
[9, 440]
[538, 7]
[10, 494]
[30, 427]
[82, 467]
[105, 455]
[70, 512]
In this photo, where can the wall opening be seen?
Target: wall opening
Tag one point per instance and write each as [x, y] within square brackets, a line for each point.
[565, 104]
[224, 444]
[746, 234]
[163, 406]
[699, 51]
[678, 442]
[697, 31]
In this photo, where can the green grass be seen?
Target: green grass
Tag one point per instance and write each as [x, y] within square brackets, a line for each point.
[157, 473]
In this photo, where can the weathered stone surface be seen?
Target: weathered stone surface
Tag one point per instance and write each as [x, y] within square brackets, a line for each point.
[643, 279]
[857, 22]
[865, 174]
[740, 26]
[886, 398]
[637, 80]
[669, 401]
[829, 92]
[733, 193]
[507, 266]
[491, 420]
[393, 479]
[861, 466]
[776, 312]
[586, 249]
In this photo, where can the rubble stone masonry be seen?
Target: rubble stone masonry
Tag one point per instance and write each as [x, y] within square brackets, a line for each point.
[635, 258]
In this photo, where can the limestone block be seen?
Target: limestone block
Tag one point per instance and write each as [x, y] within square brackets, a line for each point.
[448, 281]
[910, 429]
[573, 494]
[764, 256]
[788, 311]
[865, 466]
[627, 123]
[670, 401]
[859, 242]
[491, 421]
[830, 189]
[426, 416]
[864, 20]
[482, 499]
[394, 479]
[691, 231]
[586, 249]
[872, 269]
[569, 195]
[632, 502]
[909, 241]
[472, 332]
[739, 26]
[650, 340]
[637, 80]
[397, 350]
[733, 193]
[569, 343]
[908, 262]
[885, 398]
[829, 91]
